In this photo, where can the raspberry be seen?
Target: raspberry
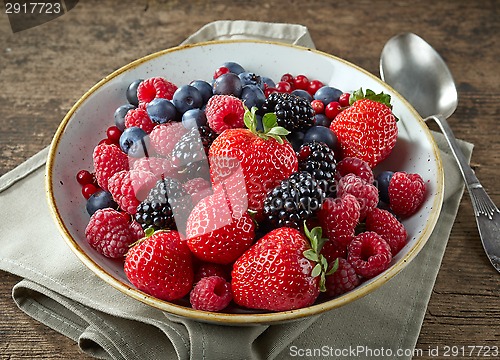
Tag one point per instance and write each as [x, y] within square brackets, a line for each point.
[129, 188]
[207, 269]
[108, 160]
[356, 166]
[338, 217]
[164, 137]
[369, 254]
[198, 188]
[211, 293]
[406, 193]
[160, 167]
[139, 117]
[386, 225]
[109, 232]
[224, 112]
[344, 279]
[137, 230]
[365, 193]
[155, 87]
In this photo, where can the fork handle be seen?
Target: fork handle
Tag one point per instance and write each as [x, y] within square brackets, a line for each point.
[486, 212]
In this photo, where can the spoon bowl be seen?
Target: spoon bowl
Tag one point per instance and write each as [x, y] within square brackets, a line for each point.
[413, 68]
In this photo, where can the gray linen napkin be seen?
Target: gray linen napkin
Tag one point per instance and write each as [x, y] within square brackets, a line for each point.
[59, 291]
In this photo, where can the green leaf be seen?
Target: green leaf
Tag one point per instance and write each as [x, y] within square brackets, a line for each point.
[278, 130]
[249, 119]
[382, 97]
[311, 255]
[322, 282]
[269, 121]
[149, 231]
[316, 270]
[334, 268]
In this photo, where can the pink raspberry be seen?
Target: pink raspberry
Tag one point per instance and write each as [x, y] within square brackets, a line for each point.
[338, 218]
[130, 187]
[386, 225]
[344, 279]
[108, 160]
[358, 167]
[139, 118]
[369, 254]
[137, 230]
[206, 269]
[365, 193]
[155, 87]
[224, 112]
[109, 232]
[406, 193]
[164, 137]
[160, 167]
[198, 188]
[212, 293]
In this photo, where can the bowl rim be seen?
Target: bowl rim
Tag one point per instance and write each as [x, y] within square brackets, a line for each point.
[239, 318]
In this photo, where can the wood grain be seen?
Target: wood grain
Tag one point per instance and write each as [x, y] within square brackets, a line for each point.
[46, 69]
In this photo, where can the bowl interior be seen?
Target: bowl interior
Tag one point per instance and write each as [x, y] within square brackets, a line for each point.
[86, 123]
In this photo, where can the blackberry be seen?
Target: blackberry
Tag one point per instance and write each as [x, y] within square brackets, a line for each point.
[318, 159]
[292, 112]
[294, 200]
[164, 201]
[189, 155]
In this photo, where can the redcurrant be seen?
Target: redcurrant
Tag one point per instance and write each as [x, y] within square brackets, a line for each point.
[318, 106]
[113, 134]
[301, 82]
[84, 177]
[88, 190]
[284, 87]
[220, 71]
[344, 99]
[332, 109]
[314, 85]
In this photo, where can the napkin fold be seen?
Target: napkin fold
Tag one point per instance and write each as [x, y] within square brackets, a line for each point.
[59, 291]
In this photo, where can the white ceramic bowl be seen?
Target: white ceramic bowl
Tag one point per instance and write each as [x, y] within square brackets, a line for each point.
[85, 124]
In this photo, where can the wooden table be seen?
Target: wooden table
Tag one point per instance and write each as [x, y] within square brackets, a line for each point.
[44, 70]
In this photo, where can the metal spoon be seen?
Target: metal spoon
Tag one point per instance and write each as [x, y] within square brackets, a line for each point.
[414, 69]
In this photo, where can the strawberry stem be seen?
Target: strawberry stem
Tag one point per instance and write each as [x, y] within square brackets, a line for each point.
[269, 124]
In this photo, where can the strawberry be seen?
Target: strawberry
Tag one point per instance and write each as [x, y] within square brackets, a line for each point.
[217, 234]
[263, 157]
[406, 193]
[282, 271]
[108, 160]
[367, 129]
[161, 265]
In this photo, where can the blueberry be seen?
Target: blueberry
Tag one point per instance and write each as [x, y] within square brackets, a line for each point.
[327, 94]
[194, 118]
[228, 84]
[132, 92]
[252, 95]
[161, 111]
[303, 94]
[100, 200]
[296, 138]
[204, 88]
[321, 134]
[134, 142]
[322, 120]
[120, 113]
[187, 97]
[233, 67]
[382, 182]
[268, 81]
[249, 78]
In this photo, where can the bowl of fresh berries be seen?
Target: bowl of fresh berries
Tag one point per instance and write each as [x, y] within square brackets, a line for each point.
[244, 182]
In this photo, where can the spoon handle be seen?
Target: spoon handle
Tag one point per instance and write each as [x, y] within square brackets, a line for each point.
[486, 212]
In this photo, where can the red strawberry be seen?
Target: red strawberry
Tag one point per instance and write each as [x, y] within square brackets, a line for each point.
[108, 160]
[263, 158]
[110, 233]
[277, 272]
[366, 130]
[406, 193]
[215, 233]
[161, 265]
[338, 218]
[386, 225]
[130, 187]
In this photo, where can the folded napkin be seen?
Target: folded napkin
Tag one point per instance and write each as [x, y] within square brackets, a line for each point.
[59, 291]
